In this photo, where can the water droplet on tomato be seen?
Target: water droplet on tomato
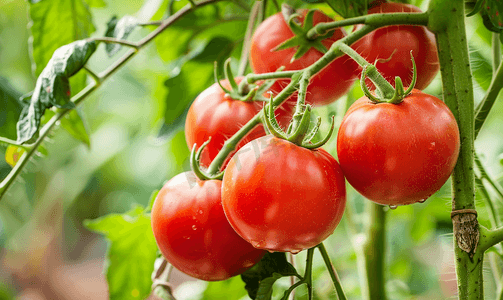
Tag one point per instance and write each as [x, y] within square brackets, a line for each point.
[194, 227]
[270, 251]
[422, 200]
[187, 237]
[393, 206]
[294, 251]
[200, 211]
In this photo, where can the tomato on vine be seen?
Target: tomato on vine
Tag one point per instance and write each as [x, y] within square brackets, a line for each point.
[390, 47]
[397, 154]
[193, 234]
[274, 45]
[216, 114]
[281, 196]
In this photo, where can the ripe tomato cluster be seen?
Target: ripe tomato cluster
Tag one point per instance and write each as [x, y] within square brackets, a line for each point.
[277, 193]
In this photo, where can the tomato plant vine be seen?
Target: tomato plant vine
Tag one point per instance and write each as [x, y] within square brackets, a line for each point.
[396, 145]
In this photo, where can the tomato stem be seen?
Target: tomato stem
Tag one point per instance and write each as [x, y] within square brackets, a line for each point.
[374, 250]
[308, 274]
[254, 17]
[447, 21]
[231, 143]
[252, 78]
[332, 272]
[385, 89]
[374, 20]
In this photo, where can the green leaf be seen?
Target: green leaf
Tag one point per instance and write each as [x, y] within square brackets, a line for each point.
[195, 74]
[10, 109]
[74, 125]
[96, 3]
[264, 291]
[131, 253]
[222, 289]
[349, 8]
[53, 86]
[55, 23]
[481, 68]
[119, 30]
[198, 26]
[270, 264]
[492, 15]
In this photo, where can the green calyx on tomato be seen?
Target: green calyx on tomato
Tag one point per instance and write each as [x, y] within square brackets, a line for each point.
[244, 91]
[195, 161]
[399, 92]
[300, 39]
[298, 134]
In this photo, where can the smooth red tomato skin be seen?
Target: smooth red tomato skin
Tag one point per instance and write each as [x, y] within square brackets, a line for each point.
[193, 234]
[395, 43]
[325, 87]
[397, 154]
[282, 197]
[213, 114]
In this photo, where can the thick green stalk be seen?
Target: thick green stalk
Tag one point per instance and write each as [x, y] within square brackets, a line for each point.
[447, 21]
[374, 251]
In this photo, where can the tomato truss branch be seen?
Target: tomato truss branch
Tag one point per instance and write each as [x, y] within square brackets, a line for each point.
[332, 272]
[110, 40]
[7, 141]
[252, 78]
[257, 7]
[489, 238]
[82, 95]
[373, 20]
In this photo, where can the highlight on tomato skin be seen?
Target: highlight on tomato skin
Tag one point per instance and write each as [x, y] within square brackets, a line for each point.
[390, 48]
[282, 197]
[328, 85]
[214, 114]
[193, 233]
[398, 154]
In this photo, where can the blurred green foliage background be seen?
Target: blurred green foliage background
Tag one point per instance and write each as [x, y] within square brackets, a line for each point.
[135, 124]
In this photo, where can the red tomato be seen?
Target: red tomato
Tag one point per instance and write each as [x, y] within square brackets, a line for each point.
[213, 114]
[327, 86]
[395, 43]
[282, 197]
[398, 154]
[193, 234]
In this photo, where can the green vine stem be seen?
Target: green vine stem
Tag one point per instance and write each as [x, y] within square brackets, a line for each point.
[447, 21]
[496, 50]
[231, 143]
[252, 78]
[255, 12]
[374, 250]
[332, 272]
[373, 20]
[487, 102]
[82, 95]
